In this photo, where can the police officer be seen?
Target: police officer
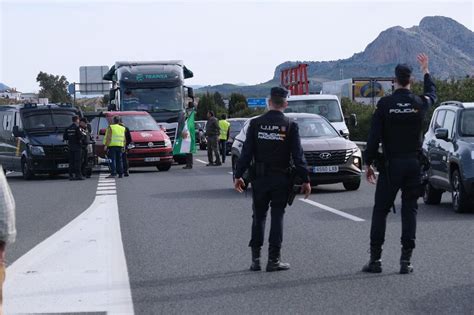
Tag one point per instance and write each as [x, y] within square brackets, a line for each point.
[397, 124]
[272, 140]
[224, 127]
[73, 136]
[114, 142]
[128, 141]
[86, 143]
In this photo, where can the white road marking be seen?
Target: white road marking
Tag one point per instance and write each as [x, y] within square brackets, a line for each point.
[106, 184]
[80, 268]
[201, 161]
[106, 192]
[107, 181]
[106, 188]
[230, 173]
[335, 211]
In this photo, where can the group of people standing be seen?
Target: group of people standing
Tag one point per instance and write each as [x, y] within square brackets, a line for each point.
[217, 134]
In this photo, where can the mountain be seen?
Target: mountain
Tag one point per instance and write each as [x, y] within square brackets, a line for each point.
[449, 44]
[3, 87]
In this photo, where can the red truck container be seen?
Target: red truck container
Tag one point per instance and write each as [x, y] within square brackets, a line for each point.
[150, 145]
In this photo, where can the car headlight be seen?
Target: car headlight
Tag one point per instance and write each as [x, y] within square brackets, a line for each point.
[36, 150]
[168, 143]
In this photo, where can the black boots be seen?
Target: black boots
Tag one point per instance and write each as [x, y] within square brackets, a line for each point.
[274, 263]
[255, 259]
[405, 264]
[375, 263]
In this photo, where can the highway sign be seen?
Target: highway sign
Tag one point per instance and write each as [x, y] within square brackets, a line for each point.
[257, 102]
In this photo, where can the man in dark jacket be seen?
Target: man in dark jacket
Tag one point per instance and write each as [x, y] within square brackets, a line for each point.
[86, 144]
[212, 135]
[128, 141]
[397, 123]
[73, 136]
[272, 141]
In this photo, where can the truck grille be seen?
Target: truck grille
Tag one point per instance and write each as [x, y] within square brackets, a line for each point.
[154, 144]
[171, 132]
[56, 151]
[148, 154]
[327, 158]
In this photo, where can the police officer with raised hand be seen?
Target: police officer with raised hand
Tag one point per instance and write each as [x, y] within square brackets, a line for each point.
[397, 124]
[73, 136]
[272, 142]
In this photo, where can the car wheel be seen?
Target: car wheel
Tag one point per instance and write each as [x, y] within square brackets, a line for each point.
[459, 196]
[352, 185]
[25, 170]
[164, 167]
[431, 195]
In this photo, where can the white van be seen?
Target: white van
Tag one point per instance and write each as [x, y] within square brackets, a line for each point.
[325, 105]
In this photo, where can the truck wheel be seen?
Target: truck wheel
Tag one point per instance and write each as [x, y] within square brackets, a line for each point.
[164, 167]
[25, 170]
[352, 185]
[459, 195]
[431, 195]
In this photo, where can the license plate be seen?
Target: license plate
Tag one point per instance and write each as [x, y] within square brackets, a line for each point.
[65, 165]
[326, 169]
[152, 159]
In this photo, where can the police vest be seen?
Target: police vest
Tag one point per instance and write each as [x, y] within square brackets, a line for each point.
[403, 123]
[224, 125]
[117, 138]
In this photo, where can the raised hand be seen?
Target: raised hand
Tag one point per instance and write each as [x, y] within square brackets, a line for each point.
[423, 61]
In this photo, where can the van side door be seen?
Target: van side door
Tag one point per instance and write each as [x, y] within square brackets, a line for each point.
[446, 148]
[433, 148]
[8, 145]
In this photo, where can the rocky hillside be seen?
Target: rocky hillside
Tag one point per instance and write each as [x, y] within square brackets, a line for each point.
[449, 44]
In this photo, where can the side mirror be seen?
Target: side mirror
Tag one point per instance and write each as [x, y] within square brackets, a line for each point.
[102, 131]
[17, 132]
[353, 120]
[190, 92]
[344, 134]
[112, 94]
[442, 134]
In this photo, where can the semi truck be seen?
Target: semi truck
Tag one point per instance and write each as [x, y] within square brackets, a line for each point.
[156, 87]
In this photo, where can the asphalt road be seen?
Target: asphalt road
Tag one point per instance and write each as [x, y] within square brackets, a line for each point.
[185, 235]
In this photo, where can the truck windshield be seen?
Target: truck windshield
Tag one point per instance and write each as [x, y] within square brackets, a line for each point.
[328, 108]
[153, 99]
[467, 123]
[311, 128]
[139, 123]
[47, 120]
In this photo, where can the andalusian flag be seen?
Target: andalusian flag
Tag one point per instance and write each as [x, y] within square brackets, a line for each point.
[186, 140]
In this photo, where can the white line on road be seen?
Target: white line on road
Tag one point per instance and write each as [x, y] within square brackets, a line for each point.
[335, 211]
[201, 161]
[80, 268]
[105, 184]
[230, 173]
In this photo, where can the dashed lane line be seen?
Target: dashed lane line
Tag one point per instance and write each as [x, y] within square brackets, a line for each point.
[335, 211]
[201, 161]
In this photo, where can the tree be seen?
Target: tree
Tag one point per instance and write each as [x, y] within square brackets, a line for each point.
[218, 100]
[237, 103]
[206, 103]
[53, 87]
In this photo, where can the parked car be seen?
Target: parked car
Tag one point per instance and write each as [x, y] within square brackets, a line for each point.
[236, 124]
[150, 145]
[331, 157]
[449, 146]
[31, 138]
[200, 134]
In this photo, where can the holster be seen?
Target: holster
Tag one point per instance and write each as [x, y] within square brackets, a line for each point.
[292, 188]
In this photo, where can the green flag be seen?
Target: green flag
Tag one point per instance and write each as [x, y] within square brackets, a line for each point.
[186, 140]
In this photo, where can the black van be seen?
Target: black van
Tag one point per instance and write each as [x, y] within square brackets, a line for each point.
[31, 138]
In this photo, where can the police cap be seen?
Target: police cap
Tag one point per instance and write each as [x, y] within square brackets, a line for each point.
[278, 92]
[403, 71]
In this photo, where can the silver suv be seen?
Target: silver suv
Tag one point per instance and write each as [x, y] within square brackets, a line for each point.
[331, 158]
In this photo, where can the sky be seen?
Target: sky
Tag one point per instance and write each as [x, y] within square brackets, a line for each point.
[220, 41]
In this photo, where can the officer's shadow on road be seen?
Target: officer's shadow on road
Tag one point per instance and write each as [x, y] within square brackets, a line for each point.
[234, 287]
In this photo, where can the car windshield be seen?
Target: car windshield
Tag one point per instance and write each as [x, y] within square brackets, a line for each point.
[140, 123]
[153, 99]
[315, 127]
[327, 108]
[236, 126]
[47, 120]
[467, 123]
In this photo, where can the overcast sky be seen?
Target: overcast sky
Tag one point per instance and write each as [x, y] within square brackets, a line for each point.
[220, 41]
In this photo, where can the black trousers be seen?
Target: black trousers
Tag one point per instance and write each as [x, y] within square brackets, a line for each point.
[212, 148]
[189, 159]
[223, 149]
[125, 162]
[270, 191]
[401, 174]
[75, 162]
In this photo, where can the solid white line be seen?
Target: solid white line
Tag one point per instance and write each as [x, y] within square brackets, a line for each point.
[201, 161]
[80, 268]
[335, 211]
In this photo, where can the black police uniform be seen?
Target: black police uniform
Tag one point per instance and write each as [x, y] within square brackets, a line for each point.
[73, 136]
[128, 141]
[86, 141]
[271, 141]
[397, 123]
